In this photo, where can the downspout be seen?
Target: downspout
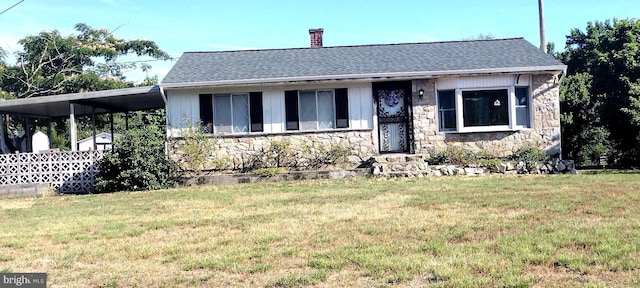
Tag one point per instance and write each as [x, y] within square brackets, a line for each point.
[164, 97]
[166, 121]
[564, 75]
[166, 116]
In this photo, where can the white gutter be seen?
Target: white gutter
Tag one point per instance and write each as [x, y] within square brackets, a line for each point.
[564, 75]
[425, 74]
[164, 97]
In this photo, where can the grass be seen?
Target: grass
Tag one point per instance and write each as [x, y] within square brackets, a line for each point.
[518, 231]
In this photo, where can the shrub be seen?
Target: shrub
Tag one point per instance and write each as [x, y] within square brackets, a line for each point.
[269, 172]
[454, 155]
[280, 154]
[196, 147]
[277, 154]
[530, 154]
[137, 162]
[321, 156]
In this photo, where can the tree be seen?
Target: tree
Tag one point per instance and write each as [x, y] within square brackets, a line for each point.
[581, 122]
[609, 53]
[51, 64]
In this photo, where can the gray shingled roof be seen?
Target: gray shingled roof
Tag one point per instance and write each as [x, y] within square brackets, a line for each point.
[501, 55]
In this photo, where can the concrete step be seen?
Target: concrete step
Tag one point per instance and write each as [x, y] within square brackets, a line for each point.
[14, 190]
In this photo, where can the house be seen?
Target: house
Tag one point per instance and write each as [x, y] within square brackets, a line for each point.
[487, 95]
[103, 141]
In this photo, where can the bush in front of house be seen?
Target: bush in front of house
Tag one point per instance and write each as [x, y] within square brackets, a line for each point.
[280, 155]
[196, 148]
[529, 154]
[454, 155]
[137, 162]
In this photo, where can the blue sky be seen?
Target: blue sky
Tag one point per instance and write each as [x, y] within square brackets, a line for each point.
[191, 25]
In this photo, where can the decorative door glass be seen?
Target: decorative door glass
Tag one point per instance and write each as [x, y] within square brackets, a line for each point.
[392, 119]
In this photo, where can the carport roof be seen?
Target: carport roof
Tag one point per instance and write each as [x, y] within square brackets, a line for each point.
[117, 100]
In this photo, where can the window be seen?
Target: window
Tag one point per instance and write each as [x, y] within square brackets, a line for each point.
[206, 112]
[477, 110]
[522, 107]
[485, 108]
[316, 109]
[447, 110]
[231, 113]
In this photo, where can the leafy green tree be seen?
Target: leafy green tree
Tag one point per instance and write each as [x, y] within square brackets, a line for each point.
[88, 60]
[581, 122]
[609, 53]
[54, 64]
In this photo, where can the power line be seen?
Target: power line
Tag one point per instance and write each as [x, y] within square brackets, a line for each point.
[14, 5]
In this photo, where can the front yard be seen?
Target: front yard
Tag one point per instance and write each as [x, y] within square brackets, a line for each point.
[505, 231]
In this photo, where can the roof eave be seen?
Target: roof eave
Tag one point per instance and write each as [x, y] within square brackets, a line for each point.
[369, 76]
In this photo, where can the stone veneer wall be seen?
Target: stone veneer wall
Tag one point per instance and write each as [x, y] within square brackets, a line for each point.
[545, 132]
[238, 148]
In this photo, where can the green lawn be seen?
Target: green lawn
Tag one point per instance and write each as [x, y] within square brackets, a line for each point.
[514, 231]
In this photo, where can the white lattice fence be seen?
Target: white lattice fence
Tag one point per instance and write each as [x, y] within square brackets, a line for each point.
[66, 172]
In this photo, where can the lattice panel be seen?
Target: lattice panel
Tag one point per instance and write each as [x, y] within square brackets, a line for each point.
[65, 172]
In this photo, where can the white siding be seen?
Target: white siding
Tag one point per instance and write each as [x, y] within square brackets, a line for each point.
[184, 105]
[360, 107]
[482, 81]
[273, 111]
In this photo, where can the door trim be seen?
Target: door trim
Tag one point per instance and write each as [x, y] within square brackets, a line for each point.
[406, 118]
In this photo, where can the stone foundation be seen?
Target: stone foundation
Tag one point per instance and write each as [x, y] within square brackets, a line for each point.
[416, 166]
[234, 152]
[399, 165]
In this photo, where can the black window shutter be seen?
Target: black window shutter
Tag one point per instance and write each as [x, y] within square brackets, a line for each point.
[342, 108]
[291, 107]
[255, 106]
[206, 112]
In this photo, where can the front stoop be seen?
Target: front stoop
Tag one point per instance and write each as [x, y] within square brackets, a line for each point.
[399, 165]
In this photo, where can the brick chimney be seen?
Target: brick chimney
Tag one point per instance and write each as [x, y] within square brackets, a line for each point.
[316, 37]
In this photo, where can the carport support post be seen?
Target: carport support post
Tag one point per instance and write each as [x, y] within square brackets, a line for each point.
[93, 125]
[111, 126]
[73, 129]
[3, 145]
[49, 133]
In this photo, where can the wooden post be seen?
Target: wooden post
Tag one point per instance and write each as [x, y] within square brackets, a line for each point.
[49, 127]
[111, 124]
[93, 125]
[3, 145]
[73, 129]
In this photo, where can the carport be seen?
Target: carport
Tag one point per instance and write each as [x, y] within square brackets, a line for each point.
[81, 104]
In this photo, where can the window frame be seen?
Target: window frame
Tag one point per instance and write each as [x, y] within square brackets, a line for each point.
[459, 111]
[441, 112]
[231, 101]
[529, 110]
[294, 122]
[253, 125]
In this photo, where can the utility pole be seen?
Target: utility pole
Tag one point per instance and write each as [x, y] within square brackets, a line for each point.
[543, 40]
